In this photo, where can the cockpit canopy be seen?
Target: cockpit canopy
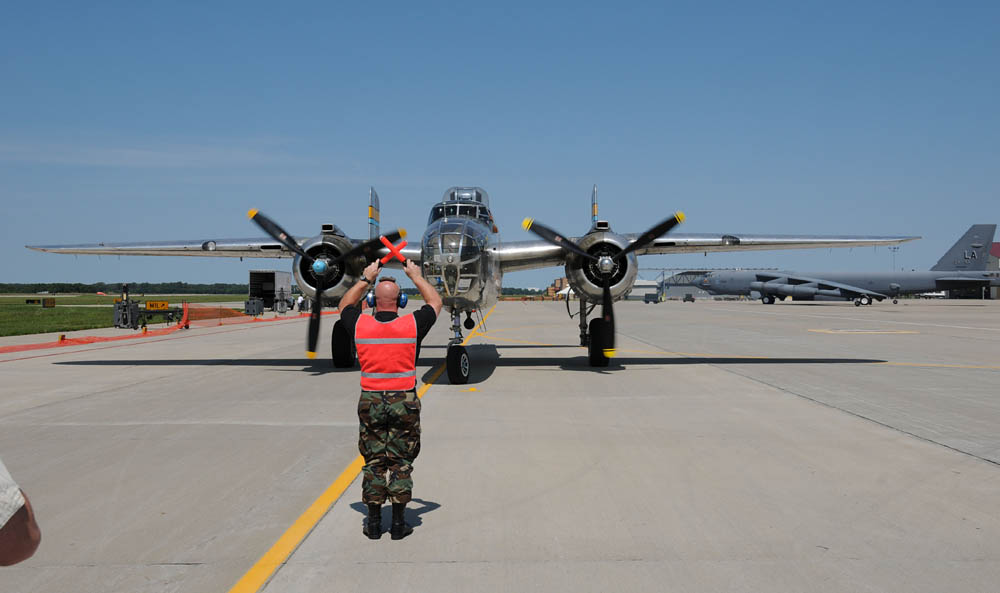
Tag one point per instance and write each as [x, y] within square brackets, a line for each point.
[463, 202]
[477, 195]
[452, 210]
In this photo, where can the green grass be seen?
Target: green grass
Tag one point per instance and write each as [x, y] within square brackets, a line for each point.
[94, 299]
[19, 320]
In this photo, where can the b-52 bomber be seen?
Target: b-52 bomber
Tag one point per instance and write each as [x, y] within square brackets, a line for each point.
[461, 254]
[961, 267]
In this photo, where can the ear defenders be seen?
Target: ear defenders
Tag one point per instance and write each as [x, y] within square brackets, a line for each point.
[401, 299]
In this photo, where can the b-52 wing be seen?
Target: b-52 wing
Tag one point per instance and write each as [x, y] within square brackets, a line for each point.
[815, 286]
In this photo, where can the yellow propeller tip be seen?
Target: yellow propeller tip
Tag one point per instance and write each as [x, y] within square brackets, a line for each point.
[526, 223]
[402, 233]
[679, 216]
[310, 355]
[251, 213]
[609, 352]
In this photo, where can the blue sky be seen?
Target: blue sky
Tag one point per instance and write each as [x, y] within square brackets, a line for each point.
[137, 121]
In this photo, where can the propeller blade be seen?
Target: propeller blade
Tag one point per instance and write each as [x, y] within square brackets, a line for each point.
[652, 234]
[312, 338]
[554, 237]
[370, 248]
[608, 314]
[277, 233]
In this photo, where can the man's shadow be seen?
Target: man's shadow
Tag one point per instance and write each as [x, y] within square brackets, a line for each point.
[412, 514]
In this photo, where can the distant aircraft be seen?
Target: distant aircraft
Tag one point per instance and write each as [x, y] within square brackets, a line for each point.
[462, 256]
[963, 266]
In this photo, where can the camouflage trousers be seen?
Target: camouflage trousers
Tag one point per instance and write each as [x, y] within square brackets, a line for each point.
[389, 441]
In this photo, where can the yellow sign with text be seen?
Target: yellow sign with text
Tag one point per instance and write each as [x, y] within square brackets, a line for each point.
[157, 305]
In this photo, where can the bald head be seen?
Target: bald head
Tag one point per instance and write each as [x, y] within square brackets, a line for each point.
[386, 295]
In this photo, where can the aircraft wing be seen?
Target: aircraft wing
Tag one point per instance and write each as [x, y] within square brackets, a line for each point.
[254, 247]
[528, 255]
[703, 242]
[822, 287]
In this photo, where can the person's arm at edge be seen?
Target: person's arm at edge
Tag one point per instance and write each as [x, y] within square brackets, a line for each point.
[431, 296]
[20, 536]
[353, 294]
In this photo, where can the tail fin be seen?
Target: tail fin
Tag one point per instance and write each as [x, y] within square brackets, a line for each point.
[971, 252]
[373, 216]
[593, 206]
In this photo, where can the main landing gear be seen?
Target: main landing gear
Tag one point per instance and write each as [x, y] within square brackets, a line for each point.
[767, 299]
[862, 300]
[458, 364]
[592, 335]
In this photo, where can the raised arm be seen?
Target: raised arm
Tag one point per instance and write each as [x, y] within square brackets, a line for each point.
[431, 296]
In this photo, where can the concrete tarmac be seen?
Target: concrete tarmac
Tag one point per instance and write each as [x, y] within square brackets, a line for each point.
[730, 447]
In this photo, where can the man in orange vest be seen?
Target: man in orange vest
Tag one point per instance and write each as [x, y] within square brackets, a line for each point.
[388, 409]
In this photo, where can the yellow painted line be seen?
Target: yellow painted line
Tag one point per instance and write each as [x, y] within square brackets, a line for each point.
[262, 571]
[863, 331]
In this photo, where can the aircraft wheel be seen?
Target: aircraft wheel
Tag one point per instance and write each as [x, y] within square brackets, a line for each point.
[598, 339]
[866, 300]
[857, 302]
[895, 301]
[458, 364]
[343, 349]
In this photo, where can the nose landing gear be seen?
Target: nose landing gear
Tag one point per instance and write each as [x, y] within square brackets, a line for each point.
[458, 363]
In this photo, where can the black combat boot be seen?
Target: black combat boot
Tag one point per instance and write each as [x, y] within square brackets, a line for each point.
[400, 528]
[373, 526]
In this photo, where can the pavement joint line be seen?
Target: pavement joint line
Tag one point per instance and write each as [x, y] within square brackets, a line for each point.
[879, 320]
[863, 331]
[885, 362]
[268, 565]
[857, 415]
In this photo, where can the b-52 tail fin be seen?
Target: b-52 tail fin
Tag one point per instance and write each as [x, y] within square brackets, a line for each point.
[971, 252]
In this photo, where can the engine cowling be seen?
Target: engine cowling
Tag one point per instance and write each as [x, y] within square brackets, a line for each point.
[584, 277]
[339, 278]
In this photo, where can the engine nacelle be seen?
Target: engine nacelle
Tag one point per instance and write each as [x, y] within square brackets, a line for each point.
[328, 246]
[584, 277]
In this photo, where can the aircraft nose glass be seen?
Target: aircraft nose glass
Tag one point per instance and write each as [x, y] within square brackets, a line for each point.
[451, 260]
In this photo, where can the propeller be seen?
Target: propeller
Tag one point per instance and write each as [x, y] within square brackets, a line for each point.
[320, 267]
[605, 264]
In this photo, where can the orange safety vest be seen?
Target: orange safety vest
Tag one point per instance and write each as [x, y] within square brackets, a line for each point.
[387, 351]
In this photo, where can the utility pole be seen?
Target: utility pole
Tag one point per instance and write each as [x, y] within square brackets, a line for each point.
[894, 249]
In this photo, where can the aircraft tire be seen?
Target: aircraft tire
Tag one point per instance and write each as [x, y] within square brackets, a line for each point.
[857, 302]
[598, 338]
[895, 301]
[342, 348]
[459, 365]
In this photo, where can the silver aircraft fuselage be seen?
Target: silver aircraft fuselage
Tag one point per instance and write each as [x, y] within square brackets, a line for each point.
[458, 251]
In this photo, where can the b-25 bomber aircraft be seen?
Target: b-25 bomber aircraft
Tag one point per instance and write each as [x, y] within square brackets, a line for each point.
[961, 267]
[461, 254]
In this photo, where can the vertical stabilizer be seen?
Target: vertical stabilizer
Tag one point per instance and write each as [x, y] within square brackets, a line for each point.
[373, 215]
[593, 206]
[971, 252]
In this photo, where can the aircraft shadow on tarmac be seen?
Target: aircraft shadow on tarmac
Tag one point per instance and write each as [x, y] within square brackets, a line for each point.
[415, 508]
[486, 358]
[316, 367]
